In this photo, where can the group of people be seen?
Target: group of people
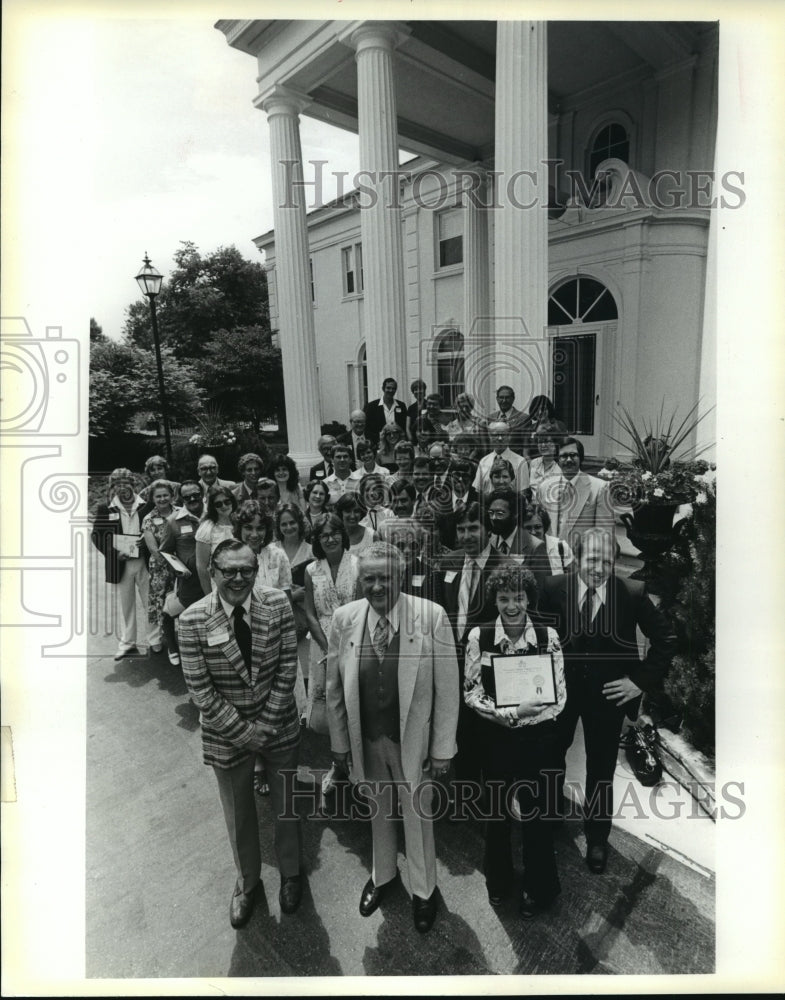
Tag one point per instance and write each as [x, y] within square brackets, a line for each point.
[444, 612]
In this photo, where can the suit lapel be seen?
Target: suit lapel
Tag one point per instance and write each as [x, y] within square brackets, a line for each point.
[409, 655]
[350, 657]
[220, 637]
[581, 487]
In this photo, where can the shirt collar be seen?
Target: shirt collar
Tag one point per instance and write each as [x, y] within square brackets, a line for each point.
[183, 512]
[138, 502]
[229, 608]
[582, 588]
[527, 638]
[393, 616]
[509, 538]
[481, 559]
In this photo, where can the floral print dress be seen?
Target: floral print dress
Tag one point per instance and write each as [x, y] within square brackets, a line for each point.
[161, 576]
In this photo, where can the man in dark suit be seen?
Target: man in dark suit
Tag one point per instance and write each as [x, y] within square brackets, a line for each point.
[463, 577]
[596, 614]
[239, 655]
[517, 420]
[506, 513]
[385, 410]
[323, 469]
[207, 467]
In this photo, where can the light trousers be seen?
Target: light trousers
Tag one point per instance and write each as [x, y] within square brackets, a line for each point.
[135, 579]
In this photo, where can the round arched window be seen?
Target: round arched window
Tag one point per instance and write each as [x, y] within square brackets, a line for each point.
[611, 141]
[581, 300]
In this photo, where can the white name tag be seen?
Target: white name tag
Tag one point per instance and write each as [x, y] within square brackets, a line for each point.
[450, 575]
[187, 529]
[114, 516]
[485, 660]
[418, 580]
[217, 638]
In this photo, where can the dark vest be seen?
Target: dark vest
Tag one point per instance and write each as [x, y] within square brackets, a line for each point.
[487, 645]
[379, 703]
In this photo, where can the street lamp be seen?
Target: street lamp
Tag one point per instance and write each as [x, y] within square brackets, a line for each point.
[149, 281]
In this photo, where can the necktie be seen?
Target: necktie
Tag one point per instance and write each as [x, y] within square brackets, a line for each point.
[381, 637]
[242, 634]
[468, 584]
[587, 609]
[503, 547]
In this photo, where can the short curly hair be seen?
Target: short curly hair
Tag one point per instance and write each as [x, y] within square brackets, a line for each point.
[249, 456]
[245, 513]
[513, 578]
[328, 522]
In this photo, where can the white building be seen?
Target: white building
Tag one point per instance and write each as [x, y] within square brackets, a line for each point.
[459, 273]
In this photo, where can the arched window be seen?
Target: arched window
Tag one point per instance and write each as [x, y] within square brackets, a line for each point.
[449, 367]
[611, 141]
[581, 300]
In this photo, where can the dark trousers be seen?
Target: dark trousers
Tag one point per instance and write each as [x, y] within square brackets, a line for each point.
[521, 763]
[169, 632]
[602, 721]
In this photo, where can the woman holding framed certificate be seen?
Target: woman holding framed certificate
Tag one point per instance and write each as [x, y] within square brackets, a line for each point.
[514, 680]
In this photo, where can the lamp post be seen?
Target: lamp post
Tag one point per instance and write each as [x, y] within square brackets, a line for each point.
[149, 280]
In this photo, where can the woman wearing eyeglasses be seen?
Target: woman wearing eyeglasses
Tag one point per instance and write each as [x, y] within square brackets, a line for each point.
[330, 581]
[215, 527]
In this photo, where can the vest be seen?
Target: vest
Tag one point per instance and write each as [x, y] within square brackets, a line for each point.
[487, 645]
[379, 702]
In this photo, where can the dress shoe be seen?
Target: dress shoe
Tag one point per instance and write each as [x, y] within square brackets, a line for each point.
[424, 911]
[597, 858]
[122, 652]
[291, 893]
[496, 899]
[241, 907]
[156, 648]
[372, 895]
[530, 907]
[174, 658]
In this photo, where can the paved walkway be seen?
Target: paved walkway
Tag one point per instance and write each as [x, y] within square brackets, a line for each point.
[160, 872]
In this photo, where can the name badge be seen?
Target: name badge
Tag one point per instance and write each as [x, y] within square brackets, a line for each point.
[217, 638]
[158, 520]
[187, 529]
[485, 660]
[418, 580]
[114, 516]
[450, 575]
[320, 473]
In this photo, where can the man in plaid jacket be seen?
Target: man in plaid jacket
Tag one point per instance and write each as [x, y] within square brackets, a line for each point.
[239, 656]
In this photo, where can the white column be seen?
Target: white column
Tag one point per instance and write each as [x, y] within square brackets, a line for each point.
[477, 330]
[521, 220]
[295, 309]
[381, 223]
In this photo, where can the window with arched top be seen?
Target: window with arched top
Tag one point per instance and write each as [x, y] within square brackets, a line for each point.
[449, 367]
[581, 300]
[612, 140]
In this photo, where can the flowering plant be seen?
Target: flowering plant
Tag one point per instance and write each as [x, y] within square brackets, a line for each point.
[680, 482]
[212, 432]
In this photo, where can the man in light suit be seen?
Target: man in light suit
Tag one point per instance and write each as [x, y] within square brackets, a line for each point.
[392, 707]
[575, 501]
[238, 648]
[207, 468]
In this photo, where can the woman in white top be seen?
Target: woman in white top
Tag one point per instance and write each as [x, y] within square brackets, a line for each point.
[283, 470]
[538, 522]
[215, 527]
[330, 582]
[366, 462]
[547, 462]
[351, 513]
[317, 501]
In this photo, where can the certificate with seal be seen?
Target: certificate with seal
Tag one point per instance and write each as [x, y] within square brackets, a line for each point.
[127, 544]
[524, 678]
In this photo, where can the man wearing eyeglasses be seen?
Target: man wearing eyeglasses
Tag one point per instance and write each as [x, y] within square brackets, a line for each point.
[207, 467]
[180, 540]
[239, 654]
[575, 501]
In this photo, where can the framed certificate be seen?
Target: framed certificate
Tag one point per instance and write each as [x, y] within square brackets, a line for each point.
[127, 544]
[524, 678]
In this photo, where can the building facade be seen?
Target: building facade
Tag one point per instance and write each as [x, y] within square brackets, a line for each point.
[552, 231]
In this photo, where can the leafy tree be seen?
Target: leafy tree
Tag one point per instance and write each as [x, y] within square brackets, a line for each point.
[242, 374]
[124, 382]
[96, 332]
[203, 294]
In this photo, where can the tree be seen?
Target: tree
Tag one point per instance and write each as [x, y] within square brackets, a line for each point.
[124, 382]
[96, 332]
[241, 372]
[203, 294]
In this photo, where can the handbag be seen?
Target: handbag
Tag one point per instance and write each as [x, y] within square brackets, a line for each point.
[640, 749]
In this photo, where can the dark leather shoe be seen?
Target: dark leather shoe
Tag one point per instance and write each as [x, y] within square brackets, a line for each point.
[372, 895]
[597, 858]
[424, 911]
[530, 907]
[496, 898]
[241, 907]
[291, 893]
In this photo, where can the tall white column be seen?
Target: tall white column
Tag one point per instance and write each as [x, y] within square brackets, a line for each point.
[477, 330]
[521, 220]
[381, 222]
[295, 309]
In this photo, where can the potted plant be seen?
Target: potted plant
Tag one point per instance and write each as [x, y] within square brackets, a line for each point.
[214, 435]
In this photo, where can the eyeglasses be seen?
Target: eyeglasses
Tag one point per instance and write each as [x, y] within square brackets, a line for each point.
[222, 503]
[246, 572]
[191, 497]
[330, 537]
